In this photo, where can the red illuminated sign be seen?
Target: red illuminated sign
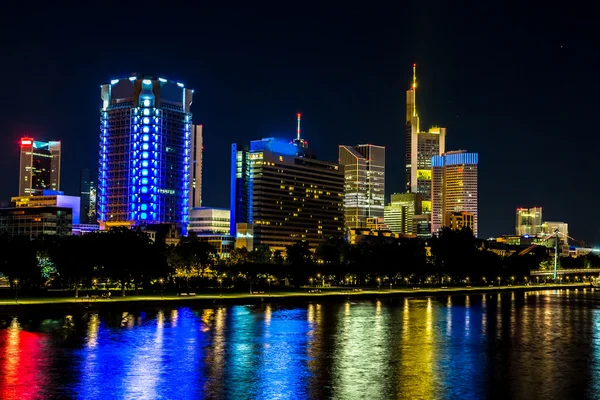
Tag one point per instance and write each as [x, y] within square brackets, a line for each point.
[26, 142]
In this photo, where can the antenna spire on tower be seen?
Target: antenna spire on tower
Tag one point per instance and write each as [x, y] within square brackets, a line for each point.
[298, 130]
[414, 89]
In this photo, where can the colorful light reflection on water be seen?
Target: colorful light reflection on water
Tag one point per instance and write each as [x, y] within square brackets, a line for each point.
[514, 345]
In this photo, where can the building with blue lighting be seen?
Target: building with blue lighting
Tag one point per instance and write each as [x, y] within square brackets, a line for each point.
[281, 194]
[146, 159]
[454, 188]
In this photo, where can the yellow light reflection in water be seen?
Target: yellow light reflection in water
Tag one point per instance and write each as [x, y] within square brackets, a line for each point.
[268, 315]
[207, 315]
[174, 316]
[361, 352]
[415, 374]
[92, 331]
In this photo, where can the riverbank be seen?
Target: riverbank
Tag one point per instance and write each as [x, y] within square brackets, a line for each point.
[330, 294]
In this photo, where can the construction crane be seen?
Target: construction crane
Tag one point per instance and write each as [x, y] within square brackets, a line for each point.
[556, 250]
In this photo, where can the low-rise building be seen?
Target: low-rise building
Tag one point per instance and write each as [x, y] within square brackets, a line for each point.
[36, 221]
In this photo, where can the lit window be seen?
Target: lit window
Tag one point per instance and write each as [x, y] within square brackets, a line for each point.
[145, 146]
[145, 154]
[145, 138]
[146, 129]
[146, 120]
[146, 111]
[146, 103]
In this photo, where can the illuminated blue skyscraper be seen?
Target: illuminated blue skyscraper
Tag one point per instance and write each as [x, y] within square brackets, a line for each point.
[145, 155]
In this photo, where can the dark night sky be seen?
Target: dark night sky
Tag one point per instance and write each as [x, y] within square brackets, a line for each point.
[518, 85]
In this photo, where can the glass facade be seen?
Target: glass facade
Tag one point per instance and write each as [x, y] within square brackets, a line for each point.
[40, 166]
[364, 188]
[283, 197]
[145, 156]
[455, 187]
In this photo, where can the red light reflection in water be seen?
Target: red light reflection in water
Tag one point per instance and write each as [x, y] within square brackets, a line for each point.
[21, 365]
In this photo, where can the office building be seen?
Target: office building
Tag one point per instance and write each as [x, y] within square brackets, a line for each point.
[399, 213]
[454, 187]
[36, 221]
[84, 194]
[422, 226]
[145, 155]
[364, 191]
[196, 148]
[209, 220]
[92, 209]
[49, 198]
[529, 221]
[549, 227]
[459, 220]
[421, 146]
[40, 166]
[281, 194]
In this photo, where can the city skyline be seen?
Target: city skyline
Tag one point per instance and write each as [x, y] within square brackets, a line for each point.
[477, 105]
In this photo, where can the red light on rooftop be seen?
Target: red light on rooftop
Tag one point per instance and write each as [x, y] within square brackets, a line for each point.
[26, 142]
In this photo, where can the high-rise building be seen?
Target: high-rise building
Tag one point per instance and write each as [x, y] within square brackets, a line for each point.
[454, 187]
[549, 227]
[92, 209]
[40, 166]
[145, 155]
[84, 195]
[196, 166]
[400, 212]
[421, 146]
[281, 194]
[364, 169]
[528, 221]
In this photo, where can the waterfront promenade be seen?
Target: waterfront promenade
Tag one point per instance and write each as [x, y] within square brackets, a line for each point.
[276, 296]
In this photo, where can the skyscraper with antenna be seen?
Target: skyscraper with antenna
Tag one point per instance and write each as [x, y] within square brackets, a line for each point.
[421, 146]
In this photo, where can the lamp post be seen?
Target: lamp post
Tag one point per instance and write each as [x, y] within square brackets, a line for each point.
[269, 282]
[16, 290]
[220, 287]
[378, 284]
[161, 280]
[318, 276]
[95, 284]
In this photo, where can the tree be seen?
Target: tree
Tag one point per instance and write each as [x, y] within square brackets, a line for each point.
[260, 255]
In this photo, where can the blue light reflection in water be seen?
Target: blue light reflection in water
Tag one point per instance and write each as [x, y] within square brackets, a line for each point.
[516, 345]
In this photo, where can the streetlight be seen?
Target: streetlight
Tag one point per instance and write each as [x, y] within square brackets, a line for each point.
[220, 287]
[16, 290]
[269, 282]
[311, 281]
[378, 283]
[161, 280]
[95, 284]
[318, 276]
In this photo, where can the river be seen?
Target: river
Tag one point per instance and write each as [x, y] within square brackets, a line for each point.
[521, 345]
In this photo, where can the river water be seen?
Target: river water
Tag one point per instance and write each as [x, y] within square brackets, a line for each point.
[534, 345]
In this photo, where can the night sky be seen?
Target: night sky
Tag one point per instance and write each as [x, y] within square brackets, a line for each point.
[517, 85]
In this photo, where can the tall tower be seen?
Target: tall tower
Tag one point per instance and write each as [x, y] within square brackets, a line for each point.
[420, 147]
[85, 187]
[145, 156]
[364, 191]
[196, 167]
[454, 188]
[40, 167]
